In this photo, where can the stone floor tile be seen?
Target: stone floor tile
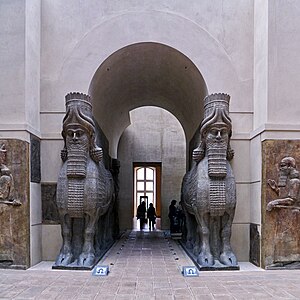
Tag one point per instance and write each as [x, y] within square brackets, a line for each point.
[223, 297]
[105, 297]
[164, 297]
[153, 274]
[200, 290]
[204, 297]
[31, 293]
[294, 292]
[163, 291]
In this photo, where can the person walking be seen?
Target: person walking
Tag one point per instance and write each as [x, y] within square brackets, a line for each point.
[172, 215]
[141, 212]
[151, 215]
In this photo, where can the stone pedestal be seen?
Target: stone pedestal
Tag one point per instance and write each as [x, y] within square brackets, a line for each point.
[280, 226]
[14, 219]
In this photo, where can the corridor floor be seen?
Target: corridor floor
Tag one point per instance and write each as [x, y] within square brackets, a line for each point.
[147, 265]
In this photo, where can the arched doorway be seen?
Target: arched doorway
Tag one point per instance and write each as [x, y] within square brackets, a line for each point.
[147, 188]
[155, 140]
[147, 74]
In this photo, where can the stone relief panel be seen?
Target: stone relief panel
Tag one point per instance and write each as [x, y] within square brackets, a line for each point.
[35, 159]
[280, 204]
[254, 244]
[49, 208]
[6, 179]
[14, 204]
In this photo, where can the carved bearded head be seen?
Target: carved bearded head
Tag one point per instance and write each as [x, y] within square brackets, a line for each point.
[216, 130]
[78, 133]
[287, 168]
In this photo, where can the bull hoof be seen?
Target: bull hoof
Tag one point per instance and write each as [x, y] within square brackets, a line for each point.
[189, 244]
[205, 260]
[64, 259]
[86, 259]
[196, 250]
[228, 258]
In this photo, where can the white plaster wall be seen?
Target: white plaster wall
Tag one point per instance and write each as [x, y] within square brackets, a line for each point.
[20, 23]
[35, 224]
[51, 241]
[284, 63]
[20, 35]
[153, 136]
[261, 57]
[216, 36]
[276, 67]
[32, 63]
[12, 63]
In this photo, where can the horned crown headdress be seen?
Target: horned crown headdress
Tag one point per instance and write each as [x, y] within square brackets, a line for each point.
[216, 110]
[79, 112]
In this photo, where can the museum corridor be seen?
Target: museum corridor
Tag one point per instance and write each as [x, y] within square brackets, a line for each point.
[147, 265]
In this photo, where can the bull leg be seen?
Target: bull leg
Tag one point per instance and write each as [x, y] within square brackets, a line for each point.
[190, 239]
[87, 257]
[205, 258]
[65, 256]
[227, 256]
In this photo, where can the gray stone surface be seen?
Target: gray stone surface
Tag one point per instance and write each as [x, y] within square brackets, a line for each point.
[49, 208]
[254, 245]
[208, 190]
[85, 189]
[35, 159]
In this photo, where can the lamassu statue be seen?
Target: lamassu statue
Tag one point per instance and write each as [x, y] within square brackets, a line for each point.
[208, 189]
[85, 189]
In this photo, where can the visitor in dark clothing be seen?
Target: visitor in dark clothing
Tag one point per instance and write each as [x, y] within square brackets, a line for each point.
[141, 211]
[151, 215]
[172, 215]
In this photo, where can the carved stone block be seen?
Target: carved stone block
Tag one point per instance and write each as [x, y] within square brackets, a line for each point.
[280, 199]
[254, 244]
[35, 159]
[14, 218]
[49, 208]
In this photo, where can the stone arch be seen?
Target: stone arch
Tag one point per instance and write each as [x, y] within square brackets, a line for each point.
[146, 74]
[171, 30]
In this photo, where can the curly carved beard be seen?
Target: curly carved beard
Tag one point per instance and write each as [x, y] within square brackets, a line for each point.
[77, 160]
[216, 152]
[282, 180]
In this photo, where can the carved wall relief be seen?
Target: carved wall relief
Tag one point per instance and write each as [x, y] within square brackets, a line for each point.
[6, 181]
[14, 204]
[288, 186]
[208, 190]
[49, 208]
[35, 159]
[280, 204]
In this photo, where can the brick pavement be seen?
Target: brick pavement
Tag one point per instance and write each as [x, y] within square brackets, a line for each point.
[147, 265]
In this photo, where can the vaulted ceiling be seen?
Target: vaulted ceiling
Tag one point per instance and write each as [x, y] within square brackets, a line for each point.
[146, 74]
